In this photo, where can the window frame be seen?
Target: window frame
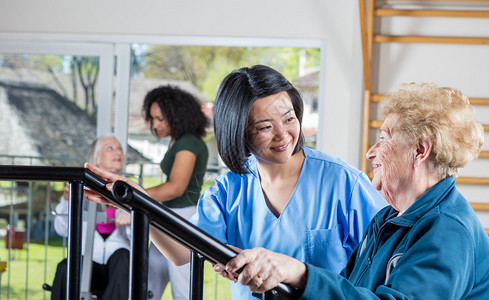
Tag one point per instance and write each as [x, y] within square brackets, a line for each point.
[110, 47]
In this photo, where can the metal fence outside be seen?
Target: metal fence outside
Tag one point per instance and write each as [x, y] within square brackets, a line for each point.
[26, 216]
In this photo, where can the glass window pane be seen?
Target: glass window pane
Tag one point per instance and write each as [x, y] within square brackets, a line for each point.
[200, 70]
[48, 117]
[48, 108]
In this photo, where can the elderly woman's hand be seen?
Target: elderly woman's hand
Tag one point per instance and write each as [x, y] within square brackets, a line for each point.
[221, 270]
[264, 269]
[123, 219]
[110, 178]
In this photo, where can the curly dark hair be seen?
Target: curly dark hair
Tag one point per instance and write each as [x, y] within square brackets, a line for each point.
[181, 109]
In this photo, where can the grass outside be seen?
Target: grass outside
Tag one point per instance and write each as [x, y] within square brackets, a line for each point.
[15, 283]
[39, 263]
[215, 287]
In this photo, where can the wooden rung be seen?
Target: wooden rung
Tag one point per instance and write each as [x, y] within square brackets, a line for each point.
[472, 180]
[430, 39]
[376, 97]
[384, 12]
[378, 123]
[484, 154]
[480, 206]
[375, 123]
[479, 101]
[487, 231]
[460, 180]
[473, 101]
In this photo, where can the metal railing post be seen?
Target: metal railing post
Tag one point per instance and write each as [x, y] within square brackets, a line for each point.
[138, 265]
[74, 240]
[196, 276]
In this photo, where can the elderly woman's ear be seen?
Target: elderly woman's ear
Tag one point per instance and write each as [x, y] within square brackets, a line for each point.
[423, 151]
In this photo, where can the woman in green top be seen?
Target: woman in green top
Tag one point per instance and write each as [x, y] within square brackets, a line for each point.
[172, 112]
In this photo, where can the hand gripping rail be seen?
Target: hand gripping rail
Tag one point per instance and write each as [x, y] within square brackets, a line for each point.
[184, 232]
[142, 208]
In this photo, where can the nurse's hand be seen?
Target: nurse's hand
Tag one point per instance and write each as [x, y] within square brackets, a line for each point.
[110, 178]
[264, 269]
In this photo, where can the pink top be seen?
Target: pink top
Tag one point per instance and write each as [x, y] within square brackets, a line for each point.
[109, 227]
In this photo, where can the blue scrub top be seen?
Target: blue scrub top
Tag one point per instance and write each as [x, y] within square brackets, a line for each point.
[321, 224]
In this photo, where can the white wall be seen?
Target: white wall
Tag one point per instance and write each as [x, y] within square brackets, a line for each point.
[334, 23]
[255, 18]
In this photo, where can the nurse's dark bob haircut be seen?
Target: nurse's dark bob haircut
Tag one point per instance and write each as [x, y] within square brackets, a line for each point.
[236, 94]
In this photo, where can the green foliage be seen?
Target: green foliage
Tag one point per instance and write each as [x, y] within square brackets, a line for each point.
[218, 69]
[20, 61]
[50, 63]
[205, 66]
[184, 63]
[149, 182]
[206, 185]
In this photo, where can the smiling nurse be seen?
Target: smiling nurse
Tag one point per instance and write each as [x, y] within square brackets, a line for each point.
[278, 194]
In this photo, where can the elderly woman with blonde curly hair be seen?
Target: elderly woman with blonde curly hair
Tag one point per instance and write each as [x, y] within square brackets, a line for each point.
[428, 244]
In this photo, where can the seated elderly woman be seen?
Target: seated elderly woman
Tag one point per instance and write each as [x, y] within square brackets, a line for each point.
[111, 240]
[429, 243]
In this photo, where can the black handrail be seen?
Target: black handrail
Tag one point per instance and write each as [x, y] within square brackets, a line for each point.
[138, 203]
[181, 230]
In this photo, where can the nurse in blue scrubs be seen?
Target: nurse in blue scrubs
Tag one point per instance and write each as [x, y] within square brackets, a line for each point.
[278, 194]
